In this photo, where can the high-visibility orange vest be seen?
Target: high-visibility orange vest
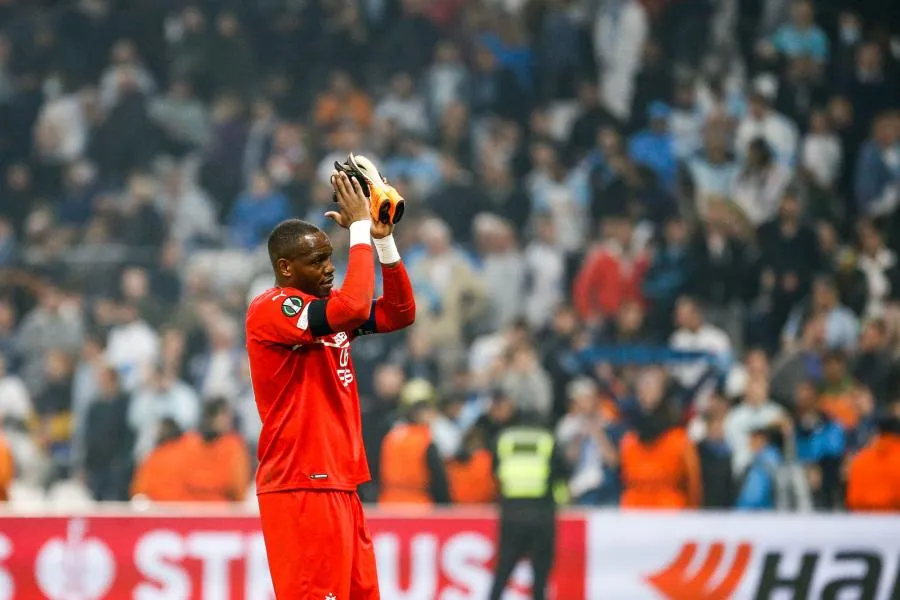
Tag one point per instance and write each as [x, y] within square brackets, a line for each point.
[404, 465]
[661, 474]
[472, 481]
[873, 483]
[7, 469]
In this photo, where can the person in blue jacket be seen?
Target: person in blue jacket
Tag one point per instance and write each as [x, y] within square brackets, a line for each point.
[654, 147]
[760, 487]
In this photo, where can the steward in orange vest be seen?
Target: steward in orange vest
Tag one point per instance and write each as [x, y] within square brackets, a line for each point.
[660, 468]
[873, 482]
[411, 469]
[471, 472]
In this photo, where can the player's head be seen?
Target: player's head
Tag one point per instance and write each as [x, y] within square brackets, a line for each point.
[301, 257]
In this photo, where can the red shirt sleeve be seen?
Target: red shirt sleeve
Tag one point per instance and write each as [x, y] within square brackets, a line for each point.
[396, 308]
[280, 316]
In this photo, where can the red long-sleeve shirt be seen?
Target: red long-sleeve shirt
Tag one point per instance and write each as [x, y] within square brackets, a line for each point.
[304, 384]
[605, 281]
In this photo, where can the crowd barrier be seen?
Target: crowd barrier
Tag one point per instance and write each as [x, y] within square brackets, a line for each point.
[204, 554]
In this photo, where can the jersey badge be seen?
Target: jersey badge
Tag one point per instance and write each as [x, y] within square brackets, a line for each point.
[291, 306]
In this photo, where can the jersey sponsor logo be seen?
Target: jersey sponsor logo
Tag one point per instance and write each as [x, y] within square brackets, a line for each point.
[678, 581]
[291, 306]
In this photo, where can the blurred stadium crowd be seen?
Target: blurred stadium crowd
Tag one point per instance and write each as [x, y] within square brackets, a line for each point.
[667, 226]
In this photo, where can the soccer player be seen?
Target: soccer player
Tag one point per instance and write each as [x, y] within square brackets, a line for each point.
[311, 455]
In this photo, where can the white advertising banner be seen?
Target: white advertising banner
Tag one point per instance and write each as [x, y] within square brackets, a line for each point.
[741, 556]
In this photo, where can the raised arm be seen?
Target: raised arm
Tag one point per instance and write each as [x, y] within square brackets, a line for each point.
[396, 308]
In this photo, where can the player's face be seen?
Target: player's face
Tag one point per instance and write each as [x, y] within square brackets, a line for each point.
[311, 270]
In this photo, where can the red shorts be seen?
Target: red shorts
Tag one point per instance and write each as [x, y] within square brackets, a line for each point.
[319, 546]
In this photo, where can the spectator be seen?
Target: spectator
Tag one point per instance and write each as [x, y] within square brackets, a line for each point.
[820, 446]
[342, 102]
[503, 267]
[590, 443]
[822, 154]
[53, 409]
[232, 68]
[879, 265]
[256, 212]
[655, 146]
[190, 212]
[62, 131]
[416, 163]
[668, 273]
[788, 258]
[801, 38]
[877, 183]
[693, 334]
[447, 80]
[219, 369]
[403, 108]
[611, 274]
[720, 263]
[836, 391]
[561, 194]
[124, 62]
[660, 466]
[132, 345]
[715, 459]
[593, 117]
[776, 130]
[760, 185]
[108, 440]
[710, 173]
[526, 382]
[544, 275]
[164, 396]
[495, 91]
[841, 325]
[869, 85]
[874, 366]
[450, 297]
[754, 412]
[54, 324]
[182, 118]
[760, 488]
[620, 31]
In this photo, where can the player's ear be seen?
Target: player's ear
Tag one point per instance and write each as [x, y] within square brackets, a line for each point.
[284, 267]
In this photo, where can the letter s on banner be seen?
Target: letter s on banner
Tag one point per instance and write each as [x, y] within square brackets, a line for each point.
[151, 557]
[464, 561]
[423, 576]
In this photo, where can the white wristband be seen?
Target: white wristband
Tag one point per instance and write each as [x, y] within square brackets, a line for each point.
[386, 248]
[360, 232]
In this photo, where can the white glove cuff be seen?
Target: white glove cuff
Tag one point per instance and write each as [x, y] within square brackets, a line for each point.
[386, 248]
[360, 232]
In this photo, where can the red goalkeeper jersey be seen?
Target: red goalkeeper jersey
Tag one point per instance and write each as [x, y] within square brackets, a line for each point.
[306, 390]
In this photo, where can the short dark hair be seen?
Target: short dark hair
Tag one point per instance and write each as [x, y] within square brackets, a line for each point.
[283, 238]
[214, 407]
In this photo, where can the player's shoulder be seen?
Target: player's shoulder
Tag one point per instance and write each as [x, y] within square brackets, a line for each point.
[288, 301]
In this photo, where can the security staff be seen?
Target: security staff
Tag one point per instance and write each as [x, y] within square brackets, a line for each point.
[527, 465]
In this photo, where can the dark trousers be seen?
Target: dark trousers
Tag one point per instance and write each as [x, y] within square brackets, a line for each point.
[525, 535]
